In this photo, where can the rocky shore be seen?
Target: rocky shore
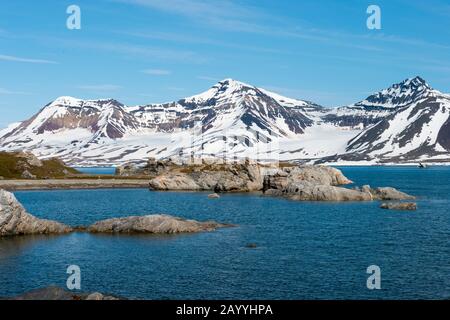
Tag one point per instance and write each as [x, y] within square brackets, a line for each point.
[54, 184]
[15, 221]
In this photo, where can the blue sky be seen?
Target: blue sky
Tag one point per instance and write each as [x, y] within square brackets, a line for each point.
[144, 51]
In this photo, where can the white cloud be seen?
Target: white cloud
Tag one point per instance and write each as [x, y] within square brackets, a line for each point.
[25, 60]
[157, 72]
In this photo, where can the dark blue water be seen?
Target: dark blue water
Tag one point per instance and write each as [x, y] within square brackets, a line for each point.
[97, 170]
[304, 250]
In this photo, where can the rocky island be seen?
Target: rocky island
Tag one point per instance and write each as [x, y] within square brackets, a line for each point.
[14, 221]
[288, 180]
[157, 224]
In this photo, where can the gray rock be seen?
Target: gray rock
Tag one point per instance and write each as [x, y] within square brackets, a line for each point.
[307, 191]
[156, 224]
[319, 183]
[405, 206]
[213, 196]
[14, 220]
[316, 175]
[56, 293]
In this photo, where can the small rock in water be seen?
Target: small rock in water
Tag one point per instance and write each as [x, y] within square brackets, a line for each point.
[407, 206]
[213, 196]
[251, 246]
[156, 224]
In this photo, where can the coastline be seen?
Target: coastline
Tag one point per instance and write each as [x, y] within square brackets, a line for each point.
[67, 184]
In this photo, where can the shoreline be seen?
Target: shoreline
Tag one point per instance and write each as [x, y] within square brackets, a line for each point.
[69, 184]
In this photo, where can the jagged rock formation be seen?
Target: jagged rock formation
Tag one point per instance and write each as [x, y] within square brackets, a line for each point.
[155, 224]
[14, 220]
[317, 183]
[306, 183]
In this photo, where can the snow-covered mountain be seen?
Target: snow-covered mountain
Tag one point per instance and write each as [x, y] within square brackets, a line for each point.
[406, 122]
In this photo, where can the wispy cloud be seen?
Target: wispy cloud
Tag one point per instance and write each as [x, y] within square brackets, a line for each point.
[178, 89]
[129, 49]
[157, 72]
[186, 38]
[236, 17]
[100, 87]
[207, 78]
[4, 91]
[207, 10]
[25, 60]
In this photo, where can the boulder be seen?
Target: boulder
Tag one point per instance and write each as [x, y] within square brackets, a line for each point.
[179, 182]
[153, 224]
[14, 220]
[388, 193]
[213, 196]
[317, 175]
[405, 206]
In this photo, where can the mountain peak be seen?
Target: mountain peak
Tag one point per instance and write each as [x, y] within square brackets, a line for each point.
[416, 83]
[68, 101]
[399, 94]
[231, 83]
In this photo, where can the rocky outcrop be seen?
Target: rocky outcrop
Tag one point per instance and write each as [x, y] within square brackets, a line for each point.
[233, 177]
[14, 220]
[155, 224]
[56, 293]
[404, 206]
[319, 183]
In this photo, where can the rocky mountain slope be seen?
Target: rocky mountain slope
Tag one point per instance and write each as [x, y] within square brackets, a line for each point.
[406, 122]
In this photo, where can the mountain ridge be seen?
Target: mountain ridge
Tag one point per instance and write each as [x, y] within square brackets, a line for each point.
[235, 119]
